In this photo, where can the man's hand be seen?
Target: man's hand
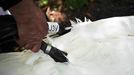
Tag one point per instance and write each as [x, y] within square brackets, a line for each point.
[31, 24]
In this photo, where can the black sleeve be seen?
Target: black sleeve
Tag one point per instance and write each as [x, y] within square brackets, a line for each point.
[6, 4]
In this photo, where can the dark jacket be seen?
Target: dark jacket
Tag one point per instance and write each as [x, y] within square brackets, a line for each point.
[8, 28]
[6, 4]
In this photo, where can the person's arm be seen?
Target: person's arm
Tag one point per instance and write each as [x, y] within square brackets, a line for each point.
[31, 23]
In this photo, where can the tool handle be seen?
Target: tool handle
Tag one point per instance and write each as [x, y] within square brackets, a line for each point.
[56, 54]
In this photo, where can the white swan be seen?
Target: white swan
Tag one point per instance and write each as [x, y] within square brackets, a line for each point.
[103, 47]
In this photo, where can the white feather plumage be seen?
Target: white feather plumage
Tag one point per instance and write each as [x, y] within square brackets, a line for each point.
[103, 47]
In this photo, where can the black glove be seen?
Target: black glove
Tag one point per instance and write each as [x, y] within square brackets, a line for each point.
[56, 54]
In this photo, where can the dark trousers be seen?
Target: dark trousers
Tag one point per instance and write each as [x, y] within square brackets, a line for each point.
[8, 33]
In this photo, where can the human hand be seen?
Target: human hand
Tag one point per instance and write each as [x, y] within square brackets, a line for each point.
[31, 24]
[54, 16]
[30, 36]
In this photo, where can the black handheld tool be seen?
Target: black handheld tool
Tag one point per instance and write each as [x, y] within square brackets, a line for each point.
[56, 54]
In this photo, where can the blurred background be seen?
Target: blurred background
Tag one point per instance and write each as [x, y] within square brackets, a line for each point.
[62, 10]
